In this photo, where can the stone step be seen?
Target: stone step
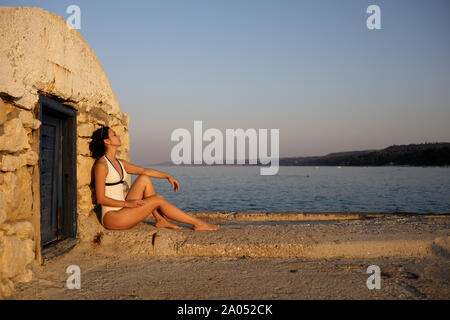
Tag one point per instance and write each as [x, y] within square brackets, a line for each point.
[273, 235]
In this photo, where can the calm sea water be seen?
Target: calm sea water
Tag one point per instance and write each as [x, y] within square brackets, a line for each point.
[323, 189]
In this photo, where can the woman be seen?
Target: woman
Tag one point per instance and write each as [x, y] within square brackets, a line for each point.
[119, 213]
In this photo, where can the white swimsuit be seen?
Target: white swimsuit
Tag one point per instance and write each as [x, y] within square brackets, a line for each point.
[114, 186]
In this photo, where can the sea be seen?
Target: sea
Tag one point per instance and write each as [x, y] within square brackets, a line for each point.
[390, 189]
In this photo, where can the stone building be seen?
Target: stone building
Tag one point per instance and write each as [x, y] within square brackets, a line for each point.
[53, 95]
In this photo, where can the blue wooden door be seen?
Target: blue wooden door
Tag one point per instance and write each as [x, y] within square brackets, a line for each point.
[50, 178]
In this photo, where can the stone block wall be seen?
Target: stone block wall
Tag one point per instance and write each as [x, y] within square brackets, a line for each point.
[39, 54]
[18, 161]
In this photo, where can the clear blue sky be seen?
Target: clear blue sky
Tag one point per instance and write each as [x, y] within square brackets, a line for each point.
[309, 68]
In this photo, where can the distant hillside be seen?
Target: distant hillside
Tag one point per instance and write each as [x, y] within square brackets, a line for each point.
[426, 154]
[348, 153]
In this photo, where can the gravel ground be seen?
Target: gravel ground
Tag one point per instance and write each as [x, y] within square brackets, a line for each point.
[238, 278]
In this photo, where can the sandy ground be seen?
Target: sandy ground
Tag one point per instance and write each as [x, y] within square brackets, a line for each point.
[119, 275]
[239, 278]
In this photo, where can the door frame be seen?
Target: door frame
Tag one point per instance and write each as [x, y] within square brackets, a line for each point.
[68, 116]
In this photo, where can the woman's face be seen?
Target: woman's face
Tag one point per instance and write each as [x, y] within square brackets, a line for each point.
[113, 138]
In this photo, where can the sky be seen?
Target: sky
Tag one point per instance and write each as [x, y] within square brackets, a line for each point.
[310, 68]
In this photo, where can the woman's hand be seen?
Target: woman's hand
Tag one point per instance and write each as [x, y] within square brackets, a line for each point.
[174, 183]
[134, 203]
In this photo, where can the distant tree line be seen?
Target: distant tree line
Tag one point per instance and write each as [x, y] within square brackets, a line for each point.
[426, 154]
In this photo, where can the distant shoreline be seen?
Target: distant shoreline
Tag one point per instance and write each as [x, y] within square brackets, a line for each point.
[412, 155]
[284, 165]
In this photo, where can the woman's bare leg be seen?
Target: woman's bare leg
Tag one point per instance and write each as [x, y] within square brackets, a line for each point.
[143, 188]
[127, 218]
[179, 215]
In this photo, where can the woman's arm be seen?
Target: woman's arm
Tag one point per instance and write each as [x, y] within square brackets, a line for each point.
[134, 169]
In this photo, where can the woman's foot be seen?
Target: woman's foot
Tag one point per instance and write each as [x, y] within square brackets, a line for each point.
[204, 226]
[163, 223]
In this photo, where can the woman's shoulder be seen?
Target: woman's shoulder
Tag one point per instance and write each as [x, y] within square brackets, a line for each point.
[101, 162]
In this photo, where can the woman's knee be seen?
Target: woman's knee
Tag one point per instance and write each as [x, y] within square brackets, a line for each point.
[146, 181]
[143, 178]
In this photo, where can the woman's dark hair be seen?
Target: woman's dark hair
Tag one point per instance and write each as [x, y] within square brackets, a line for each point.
[97, 145]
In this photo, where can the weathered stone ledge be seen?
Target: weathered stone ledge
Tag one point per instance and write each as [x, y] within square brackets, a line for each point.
[301, 216]
[316, 236]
